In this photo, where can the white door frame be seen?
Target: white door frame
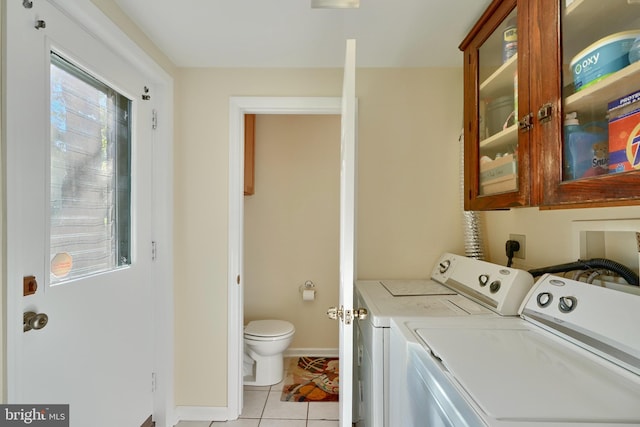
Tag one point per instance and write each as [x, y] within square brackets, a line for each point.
[87, 15]
[238, 107]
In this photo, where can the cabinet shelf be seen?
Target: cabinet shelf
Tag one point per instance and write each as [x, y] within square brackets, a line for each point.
[502, 140]
[600, 94]
[502, 79]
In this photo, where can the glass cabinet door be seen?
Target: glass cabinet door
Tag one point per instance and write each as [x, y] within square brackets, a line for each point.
[600, 88]
[572, 69]
[497, 109]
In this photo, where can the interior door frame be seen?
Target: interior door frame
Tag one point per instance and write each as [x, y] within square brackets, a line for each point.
[238, 107]
[88, 16]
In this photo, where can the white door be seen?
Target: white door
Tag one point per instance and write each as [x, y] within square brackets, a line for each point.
[96, 351]
[347, 232]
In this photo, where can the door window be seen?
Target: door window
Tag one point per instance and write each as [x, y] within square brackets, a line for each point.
[90, 174]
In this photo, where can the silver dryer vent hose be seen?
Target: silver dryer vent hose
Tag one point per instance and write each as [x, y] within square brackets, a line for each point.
[472, 228]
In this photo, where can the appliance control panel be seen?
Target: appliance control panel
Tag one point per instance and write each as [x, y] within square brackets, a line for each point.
[601, 319]
[501, 289]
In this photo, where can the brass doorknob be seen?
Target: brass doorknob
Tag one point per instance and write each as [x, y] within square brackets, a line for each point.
[360, 313]
[334, 313]
[32, 320]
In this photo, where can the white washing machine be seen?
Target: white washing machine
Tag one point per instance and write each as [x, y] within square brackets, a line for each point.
[459, 286]
[571, 359]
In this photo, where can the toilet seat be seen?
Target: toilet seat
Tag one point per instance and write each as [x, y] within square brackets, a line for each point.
[268, 330]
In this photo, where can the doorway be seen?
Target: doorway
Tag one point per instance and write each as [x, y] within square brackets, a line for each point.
[239, 106]
[291, 225]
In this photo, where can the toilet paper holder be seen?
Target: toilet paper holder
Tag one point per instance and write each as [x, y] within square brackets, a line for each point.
[308, 290]
[307, 286]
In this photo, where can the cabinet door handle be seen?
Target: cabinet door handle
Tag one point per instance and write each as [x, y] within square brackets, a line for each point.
[544, 113]
[525, 123]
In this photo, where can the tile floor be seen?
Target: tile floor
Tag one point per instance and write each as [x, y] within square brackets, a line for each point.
[263, 408]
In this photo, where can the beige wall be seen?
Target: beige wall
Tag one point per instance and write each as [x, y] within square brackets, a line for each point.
[408, 170]
[408, 201]
[548, 233]
[291, 225]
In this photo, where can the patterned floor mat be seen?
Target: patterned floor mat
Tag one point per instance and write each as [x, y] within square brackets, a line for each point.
[311, 379]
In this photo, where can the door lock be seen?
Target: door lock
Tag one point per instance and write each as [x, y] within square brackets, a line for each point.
[525, 123]
[32, 320]
[29, 285]
[545, 112]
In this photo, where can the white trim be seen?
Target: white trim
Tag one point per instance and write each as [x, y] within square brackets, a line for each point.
[91, 18]
[164, 316]
[87, 15]
[238, 106]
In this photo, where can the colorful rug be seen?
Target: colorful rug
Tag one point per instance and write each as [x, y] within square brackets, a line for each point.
[311, 379]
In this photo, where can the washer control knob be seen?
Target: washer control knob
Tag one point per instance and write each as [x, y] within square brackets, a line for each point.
[444, 265]
[544, 299]
[567, 304]
[483, 279]
[495, 286]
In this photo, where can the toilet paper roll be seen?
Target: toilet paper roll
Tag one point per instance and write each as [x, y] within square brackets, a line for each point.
[308, 295]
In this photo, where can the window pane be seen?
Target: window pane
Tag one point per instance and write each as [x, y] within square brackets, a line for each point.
[90, 191]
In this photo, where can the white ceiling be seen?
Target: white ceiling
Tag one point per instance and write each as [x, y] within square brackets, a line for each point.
[288, 33]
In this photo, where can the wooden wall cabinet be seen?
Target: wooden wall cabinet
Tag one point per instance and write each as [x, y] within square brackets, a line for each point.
[528, 162]
[249, 154]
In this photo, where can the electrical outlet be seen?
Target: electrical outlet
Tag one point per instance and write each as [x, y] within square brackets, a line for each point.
[520, 238]
[638, 241]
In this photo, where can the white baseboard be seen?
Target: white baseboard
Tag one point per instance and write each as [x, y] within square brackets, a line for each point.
[315, 352]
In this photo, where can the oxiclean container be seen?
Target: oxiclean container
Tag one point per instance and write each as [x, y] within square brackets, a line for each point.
[602, 58]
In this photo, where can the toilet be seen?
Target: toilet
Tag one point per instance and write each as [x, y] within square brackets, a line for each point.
[264, 344]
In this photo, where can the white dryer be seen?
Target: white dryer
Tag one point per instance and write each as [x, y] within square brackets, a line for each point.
[459, 286]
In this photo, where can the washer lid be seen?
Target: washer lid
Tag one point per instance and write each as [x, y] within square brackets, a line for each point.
[268, 328]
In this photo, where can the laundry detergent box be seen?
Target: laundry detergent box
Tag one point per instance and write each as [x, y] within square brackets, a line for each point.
[624, 133]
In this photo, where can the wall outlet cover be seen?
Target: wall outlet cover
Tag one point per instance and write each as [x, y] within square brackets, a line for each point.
[520, 238]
